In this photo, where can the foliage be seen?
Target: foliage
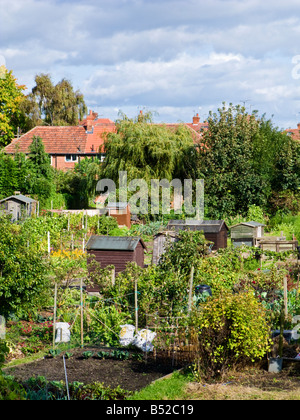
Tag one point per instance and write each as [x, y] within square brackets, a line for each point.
[11, 95]
[185, 252]
[229, 330]
[23, 271]
[53, 104]
[10, 390]
[243, 160]
[146, 151]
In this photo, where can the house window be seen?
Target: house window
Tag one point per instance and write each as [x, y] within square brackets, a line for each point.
[71, 158]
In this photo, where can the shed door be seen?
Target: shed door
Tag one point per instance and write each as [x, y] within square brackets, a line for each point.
[12, 208]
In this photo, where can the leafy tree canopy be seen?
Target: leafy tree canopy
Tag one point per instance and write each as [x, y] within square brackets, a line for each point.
[53, 104]
[11, 95]
[243, 160]
[146, 150]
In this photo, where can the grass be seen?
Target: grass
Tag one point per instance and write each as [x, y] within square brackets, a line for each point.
[172, 387]
[250, 384]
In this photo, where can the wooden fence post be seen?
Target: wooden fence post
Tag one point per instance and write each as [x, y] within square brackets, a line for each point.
[54, 313]
[191, 289]
[136, 304]
[285, 297]
[81, 313]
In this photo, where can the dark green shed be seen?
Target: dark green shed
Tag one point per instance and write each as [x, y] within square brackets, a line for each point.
[246, 233]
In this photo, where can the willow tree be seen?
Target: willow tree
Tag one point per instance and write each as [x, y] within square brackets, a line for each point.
[146, 150]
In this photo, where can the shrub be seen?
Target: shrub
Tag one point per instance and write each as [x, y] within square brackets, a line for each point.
[229, 330]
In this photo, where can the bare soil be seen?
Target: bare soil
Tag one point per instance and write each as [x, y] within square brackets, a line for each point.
[130, 375]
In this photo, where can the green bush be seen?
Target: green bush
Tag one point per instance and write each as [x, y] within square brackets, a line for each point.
[229, 330]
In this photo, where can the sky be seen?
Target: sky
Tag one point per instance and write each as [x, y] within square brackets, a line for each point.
[174, 58]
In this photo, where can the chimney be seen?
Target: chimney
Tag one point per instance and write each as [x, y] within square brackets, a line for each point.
[196, 119]
[91, 117]
[298, 125]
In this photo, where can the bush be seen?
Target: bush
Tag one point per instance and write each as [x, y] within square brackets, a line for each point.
[229, 330]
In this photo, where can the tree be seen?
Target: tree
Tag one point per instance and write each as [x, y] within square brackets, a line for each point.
[9, 175]
[53, 104]
[11, 95]
[40, 174]
[145, 150]
[23, 272]
[244, 159]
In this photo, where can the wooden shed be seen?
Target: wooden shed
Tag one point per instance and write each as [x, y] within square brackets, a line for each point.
[116, 251]
[159, 242]
[246, 233]
[215, 231]
[120, 211]
[18, 206]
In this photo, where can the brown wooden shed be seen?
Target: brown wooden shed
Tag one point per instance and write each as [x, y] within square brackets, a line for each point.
[215, 231]
[121, 212]
[116, 250]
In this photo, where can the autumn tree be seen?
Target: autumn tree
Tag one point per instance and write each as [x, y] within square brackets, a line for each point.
[11, 95]
[52, 104]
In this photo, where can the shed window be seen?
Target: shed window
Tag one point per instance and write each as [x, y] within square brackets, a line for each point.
[71, 158]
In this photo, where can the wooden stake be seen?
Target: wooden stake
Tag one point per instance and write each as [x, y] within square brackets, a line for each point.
[54, 313]
[285, 297]
[191, 289]
[81, 314]
[49, 249]
[136, 305]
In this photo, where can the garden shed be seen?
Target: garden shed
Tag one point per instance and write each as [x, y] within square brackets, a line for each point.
[120, 211]
[247, 233]
[215, 231]
[159, 242]
[18, 206]
[116, 251]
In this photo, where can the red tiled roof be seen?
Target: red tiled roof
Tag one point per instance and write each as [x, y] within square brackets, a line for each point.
[66, 139]
[293, 132]
[86, 138]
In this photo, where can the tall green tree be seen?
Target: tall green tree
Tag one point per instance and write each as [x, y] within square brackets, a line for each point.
[225, 162]
[52, 104]
[23, 273]
[145, 150]
[39, 180]
[11, 96]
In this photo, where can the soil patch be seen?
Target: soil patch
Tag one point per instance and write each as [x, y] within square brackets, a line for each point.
[130, 375]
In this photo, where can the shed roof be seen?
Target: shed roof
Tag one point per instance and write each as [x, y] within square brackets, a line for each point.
[251, 224]
[113, 243]
[19, 197]
[208, 226]
[118, 205]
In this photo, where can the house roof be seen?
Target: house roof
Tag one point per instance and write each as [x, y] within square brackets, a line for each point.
[19, 197]
[113, 243]
[207, 226]
[81, 139]
[87, 138]
[293, 132]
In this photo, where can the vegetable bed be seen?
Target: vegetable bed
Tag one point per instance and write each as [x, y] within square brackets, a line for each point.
[129, 371]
